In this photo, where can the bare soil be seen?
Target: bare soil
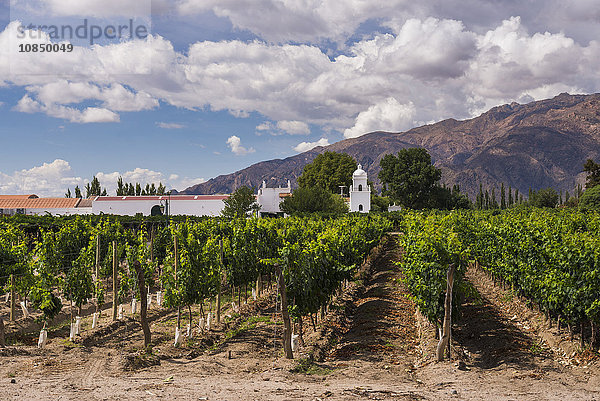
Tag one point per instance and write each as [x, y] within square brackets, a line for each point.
[373, 344]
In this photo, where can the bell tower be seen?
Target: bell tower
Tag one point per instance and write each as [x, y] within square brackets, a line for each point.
[360, 192]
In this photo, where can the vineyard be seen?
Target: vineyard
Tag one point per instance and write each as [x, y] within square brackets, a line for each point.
[551, 258]
[234, 300]
[187, 262]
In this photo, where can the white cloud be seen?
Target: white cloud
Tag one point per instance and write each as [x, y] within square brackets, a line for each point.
[389, 115]
[49, 179]
[170, 125]
[305, 146]
[235, 143]
[87, 115]
[265, 126]
[53, 179]
[283, 127]
[312, 21]
[294, 127]
[96, 115]
[95, 8]
[293, 20]
[432, 68]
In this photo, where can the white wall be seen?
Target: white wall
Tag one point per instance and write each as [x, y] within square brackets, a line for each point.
[66, 211]
[124, 207]
[130, 206]
[197, 207]
[269, 199]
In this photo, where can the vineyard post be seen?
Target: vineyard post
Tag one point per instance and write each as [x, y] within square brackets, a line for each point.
[2, 340]
[114, 247]
[12, 297]
[445, 338]
[176, 286]
[97, 269]
[287, 326]
[97, 255]
[152, 244]
[143, 303]
[219, 281]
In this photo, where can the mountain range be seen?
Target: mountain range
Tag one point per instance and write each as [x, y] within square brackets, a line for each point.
[536, 145]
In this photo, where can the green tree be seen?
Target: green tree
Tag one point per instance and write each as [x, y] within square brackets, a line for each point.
[240, 203]
[93, 188]
[78, 192]
[544, 198]
[444, 198]
[590, 200]
[502, 197]
[409, 178]
[329, 170]
[593, 173]
[479, 200]
[121, 187]
[313, 199]
[493, 201]
[68, 194]
[379, 203]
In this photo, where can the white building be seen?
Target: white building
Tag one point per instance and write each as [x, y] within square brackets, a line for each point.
[192, 205]
[156, 205]
[360, 193]
[270, 198]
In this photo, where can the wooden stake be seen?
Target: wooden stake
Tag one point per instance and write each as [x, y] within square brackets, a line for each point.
[176, 266]
[152, 245]
[301, 331]
[115, 284]
[12, 297]
[97, 256]
[190, 316]
[144, 303]
[97, 269]
[445, 339]
[2, 339]
[287, 326]
[219, 281]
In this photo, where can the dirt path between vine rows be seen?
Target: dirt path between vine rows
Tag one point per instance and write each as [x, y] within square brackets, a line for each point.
[373, 346]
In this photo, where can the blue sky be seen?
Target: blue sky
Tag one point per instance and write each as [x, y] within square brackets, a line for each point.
[220, 85]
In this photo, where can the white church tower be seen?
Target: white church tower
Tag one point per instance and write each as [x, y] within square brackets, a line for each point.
[360, 193]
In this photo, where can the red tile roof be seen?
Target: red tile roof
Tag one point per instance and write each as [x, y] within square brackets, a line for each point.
[39, 203]
[6, 197]
[85, 203]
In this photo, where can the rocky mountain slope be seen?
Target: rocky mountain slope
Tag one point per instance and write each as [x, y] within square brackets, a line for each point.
[537, 145]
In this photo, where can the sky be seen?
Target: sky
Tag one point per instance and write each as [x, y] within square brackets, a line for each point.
[193, 89]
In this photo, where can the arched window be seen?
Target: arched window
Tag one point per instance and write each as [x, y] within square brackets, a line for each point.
[360, 208]
[360, 187]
